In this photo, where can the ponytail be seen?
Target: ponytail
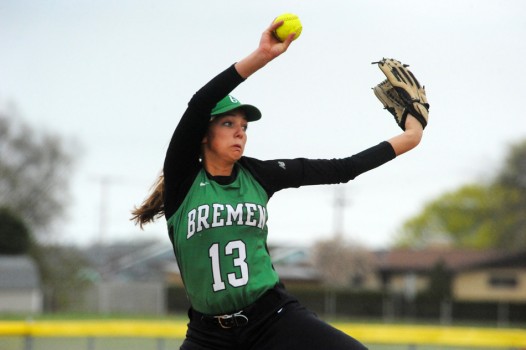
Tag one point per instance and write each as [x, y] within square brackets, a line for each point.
[153, 206]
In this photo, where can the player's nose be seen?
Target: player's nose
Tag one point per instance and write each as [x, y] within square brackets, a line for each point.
[240, 131]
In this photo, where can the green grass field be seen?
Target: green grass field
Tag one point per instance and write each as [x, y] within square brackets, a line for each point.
[18, 343]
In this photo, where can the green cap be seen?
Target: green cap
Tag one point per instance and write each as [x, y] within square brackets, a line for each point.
[229, 103]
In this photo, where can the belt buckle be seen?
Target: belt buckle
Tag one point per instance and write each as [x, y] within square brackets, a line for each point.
[233, 320]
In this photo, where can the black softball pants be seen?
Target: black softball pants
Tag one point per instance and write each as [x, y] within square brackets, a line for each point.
[277, 321]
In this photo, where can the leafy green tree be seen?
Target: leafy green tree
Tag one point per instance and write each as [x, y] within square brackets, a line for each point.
[491, 215]
[512, 177]
[463, 218]
[513, 173]
[14, 235]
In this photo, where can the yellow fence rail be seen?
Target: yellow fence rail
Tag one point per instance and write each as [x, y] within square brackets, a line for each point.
[437, 335]
[367, 333]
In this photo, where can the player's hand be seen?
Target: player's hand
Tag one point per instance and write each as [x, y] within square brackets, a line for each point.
[272, 46]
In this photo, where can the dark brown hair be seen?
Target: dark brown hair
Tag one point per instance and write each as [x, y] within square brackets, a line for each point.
[152, 207]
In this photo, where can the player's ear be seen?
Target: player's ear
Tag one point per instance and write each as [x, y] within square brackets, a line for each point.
[205, 138]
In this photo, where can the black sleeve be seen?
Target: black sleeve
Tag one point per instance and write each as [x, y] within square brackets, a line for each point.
[182, 157]
[278, 174]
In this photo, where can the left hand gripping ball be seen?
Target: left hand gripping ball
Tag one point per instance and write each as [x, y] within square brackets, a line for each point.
[291, 24]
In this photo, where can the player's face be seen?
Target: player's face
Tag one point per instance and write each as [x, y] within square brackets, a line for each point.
[226, 137]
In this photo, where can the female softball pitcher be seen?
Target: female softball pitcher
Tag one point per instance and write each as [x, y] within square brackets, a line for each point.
[215, 202]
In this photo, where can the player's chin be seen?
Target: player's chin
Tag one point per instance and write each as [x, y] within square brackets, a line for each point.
[237, 156]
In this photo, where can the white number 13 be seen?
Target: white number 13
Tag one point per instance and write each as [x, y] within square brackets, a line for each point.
[233, 280]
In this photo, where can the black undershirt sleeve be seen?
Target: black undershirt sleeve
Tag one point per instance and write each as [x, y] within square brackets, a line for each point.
[182, 157]
[278, 174]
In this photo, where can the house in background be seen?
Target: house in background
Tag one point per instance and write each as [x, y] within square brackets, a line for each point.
[500, 278]
[20, 289]
[476, 275]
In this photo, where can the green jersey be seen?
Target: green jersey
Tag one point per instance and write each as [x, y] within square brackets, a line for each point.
[219, 234]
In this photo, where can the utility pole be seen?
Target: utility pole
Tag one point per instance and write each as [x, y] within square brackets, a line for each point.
[340, 202]
[104, 182]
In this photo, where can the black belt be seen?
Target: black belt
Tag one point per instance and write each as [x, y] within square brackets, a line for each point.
[228, 320]
[266, 303]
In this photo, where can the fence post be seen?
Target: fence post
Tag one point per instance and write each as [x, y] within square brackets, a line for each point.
[503, 314]
[330, 302]
[160, 343]
[388, 311]
[90, 343]
[28, 342]
[446, 311]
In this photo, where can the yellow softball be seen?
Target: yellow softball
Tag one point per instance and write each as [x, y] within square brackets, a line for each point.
[291, 24]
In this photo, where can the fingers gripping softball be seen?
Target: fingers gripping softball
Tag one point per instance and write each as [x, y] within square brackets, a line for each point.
[401, 93]
[272, 43]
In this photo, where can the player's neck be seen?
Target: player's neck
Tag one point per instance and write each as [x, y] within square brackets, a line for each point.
[218, 169]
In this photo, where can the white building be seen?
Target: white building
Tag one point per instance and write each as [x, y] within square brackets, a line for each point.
[20, 290]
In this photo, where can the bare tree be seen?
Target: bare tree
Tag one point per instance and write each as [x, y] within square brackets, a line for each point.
[35, 172]
[342, 263]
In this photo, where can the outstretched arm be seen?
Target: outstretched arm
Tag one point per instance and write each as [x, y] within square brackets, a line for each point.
[410, 138]
[269, 48]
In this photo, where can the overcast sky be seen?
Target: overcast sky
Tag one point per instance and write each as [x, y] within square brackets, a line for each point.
[117, 75]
